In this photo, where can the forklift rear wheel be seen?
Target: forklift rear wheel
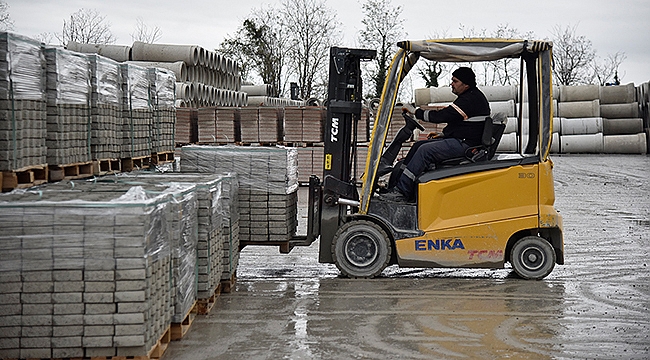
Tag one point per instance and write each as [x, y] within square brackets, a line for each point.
[532, 257]
[361, 249]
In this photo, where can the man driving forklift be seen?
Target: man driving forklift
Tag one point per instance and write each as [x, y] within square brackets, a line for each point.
[464, 117]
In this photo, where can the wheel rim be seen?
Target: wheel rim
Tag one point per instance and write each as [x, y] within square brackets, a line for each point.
[532, 258]
[361, 250]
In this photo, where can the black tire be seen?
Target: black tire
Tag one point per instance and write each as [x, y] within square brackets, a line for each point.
[532, 258]
[361, 249]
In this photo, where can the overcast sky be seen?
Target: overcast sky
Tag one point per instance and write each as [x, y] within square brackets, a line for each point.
[612, 26]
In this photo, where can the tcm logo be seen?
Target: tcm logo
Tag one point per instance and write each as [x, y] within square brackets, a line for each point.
[334, 131]
[439, 244]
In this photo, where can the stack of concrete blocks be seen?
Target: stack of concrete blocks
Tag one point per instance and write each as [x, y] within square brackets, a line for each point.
[217, 125]
[68, 107]
[261, 125]
[23, 113]
[263, 96]
[105, 108]
[643, 97]
[84, 273]
[231, 228]
[162, 84]
[186, 126]
[268, 184]
[137, 114]
[304, 124]
[310, 162]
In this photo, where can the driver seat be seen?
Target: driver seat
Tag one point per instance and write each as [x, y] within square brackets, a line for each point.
[493, 128]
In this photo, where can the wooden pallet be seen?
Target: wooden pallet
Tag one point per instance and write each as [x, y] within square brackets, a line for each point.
[73, 171]
[228, 284]
[106, 166]
[178, 330]
[204, 306]
[142, 162]
[23, 178]
[162, 157]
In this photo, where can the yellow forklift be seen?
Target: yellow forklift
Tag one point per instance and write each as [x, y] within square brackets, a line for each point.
[476, 212]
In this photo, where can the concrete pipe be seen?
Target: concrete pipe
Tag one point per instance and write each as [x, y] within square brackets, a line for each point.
[557, 124]
[441, 94]
[617, 94]
[179, 68]
[511, 125]
[166, 53]
[180, 103]
[238, 83]
[499, 93]
[223, 66]
[620, 111]
[622, 126]
[257, 90]
[120, 53]
[257, 100]
[578, 93]
[579, 109]
[588, 143]
[229, 67]
[555, 143]
[578, 126]
[313, 102]
[202, 56]
[524, 108]
[422, 96]
[183, 91]
[212, 63]
[508, 143]
[244, 99]
[505, 107]
[626, 144]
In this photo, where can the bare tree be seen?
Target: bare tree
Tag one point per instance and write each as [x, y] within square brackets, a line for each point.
[572, 56]
[383, 29]
[144, 33]
[45, 37]
[605, 71]
[312, 28]
[5, 19]
[86, 26]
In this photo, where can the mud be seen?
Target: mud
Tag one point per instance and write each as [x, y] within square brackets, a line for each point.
[596, 306]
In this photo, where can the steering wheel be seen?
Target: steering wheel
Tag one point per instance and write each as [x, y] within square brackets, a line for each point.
[411, 123]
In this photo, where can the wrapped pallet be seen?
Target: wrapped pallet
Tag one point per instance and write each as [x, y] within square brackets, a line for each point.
[68, 107]
[137, 112]
[85, 273]
[23, 116]
[106, 111]
[162, 92]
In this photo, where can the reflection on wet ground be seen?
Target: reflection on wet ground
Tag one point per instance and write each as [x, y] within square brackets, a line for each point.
[595, 306]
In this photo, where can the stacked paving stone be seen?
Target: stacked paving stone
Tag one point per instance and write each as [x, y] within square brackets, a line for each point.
[23, 116]
[268, 182]
[216, 125]
[68, 107]
[304, 124]
[106, 111]
[186, 119]
[137, 113]
[310, 161]
[162, 84]
[261, 125]
[87, 277]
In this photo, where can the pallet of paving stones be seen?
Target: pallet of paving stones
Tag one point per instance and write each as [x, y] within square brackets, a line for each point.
[106, 166]
[162, 157]
[79, 170]
[180, 329]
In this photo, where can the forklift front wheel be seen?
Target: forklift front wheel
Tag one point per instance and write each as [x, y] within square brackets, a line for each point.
[532, 257]
[361, 249]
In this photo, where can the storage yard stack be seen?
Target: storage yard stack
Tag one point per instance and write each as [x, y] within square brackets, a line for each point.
[23, 113]
[268, 185]
[85, 277]
[68, 107]
[106, 110]
[216, 125]
[162, 97]
[137, 113]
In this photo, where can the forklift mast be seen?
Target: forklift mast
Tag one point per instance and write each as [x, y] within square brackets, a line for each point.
[343, 113]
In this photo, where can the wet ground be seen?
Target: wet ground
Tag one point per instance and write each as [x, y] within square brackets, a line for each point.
[596, 306]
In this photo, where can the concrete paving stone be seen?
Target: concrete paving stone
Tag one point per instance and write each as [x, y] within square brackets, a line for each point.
[133, 350]
[10, 298]
[67, 298]
[35, 331]
[60, 253]
[67, 275]
[9, 343]
[97, 342]
[66, 342]
[64, 353]
[130, 263]
[98, 297]
[99, 264]
[7, 332]
[129, 296]
[97, 309]
[98, 330]
[38, 309]
[108, 351]
[128, 340]
[10, 320]
[132, 318]
[36, 353]
[69, 309]
[10, 309]
[99, 287]
[36, 342]
[30, 276]
[131, 307]
[99, 319]
[139, 274]
[68, 287]
[129, 285]
[99, 275]
[73, 330]
[68, 320]
[9, 353]
[38, 287]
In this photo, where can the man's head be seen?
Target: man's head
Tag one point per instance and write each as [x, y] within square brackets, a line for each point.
[462, 79]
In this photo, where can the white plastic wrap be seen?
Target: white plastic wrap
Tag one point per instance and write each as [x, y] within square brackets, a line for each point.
[163, 85]
[105, 80]
[22, 68]
[68, 77]
[135, 87]
[272, 170]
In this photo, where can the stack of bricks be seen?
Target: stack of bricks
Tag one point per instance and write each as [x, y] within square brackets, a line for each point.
[162, 84]
[137, 113]
[268, 183]
[261, 125]
[23, 116]
[68, 107]
[218, 125]
[304, 124]
[105, 109]
[87, 278]
[186, 120]
[250, 125]
[231, 218]
[310, 162]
